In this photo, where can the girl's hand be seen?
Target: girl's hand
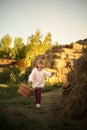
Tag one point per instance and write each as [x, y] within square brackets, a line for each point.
[30, 83]
[52, 73]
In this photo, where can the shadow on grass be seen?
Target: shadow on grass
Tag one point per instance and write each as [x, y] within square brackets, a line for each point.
[16, 121]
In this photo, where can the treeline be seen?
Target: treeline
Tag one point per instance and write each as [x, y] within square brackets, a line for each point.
[34, 46]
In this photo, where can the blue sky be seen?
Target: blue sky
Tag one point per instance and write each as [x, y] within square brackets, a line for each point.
[66, 20]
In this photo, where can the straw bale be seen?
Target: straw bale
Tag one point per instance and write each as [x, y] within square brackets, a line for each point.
[74, 100]
[77, 47]
[67, 50]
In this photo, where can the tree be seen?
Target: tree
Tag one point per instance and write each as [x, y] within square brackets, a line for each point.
[18, 51]
[5, 46]
[33, 46]
[47, 43]
[36, 47]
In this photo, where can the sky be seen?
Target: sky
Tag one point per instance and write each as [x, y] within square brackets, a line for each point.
[66, 20]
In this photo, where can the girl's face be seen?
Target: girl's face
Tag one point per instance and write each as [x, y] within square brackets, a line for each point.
[40, 66]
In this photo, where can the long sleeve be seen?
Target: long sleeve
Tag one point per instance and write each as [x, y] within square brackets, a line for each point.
[48, 74]
[31, 76]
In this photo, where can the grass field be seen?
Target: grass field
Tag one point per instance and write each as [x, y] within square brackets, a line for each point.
[19, 113]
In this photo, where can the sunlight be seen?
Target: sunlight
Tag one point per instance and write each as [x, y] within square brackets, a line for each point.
[3, 85]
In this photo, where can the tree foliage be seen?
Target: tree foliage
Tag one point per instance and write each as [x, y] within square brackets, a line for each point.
[34, 46]
[18, 52]
[5, 46]
[37, 47]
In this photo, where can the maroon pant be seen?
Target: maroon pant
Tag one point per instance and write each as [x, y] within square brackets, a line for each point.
[38, 95]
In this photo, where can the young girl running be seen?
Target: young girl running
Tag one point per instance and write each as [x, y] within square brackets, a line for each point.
[37, 78]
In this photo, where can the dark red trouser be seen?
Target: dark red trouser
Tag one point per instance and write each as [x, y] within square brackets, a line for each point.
[38, 95]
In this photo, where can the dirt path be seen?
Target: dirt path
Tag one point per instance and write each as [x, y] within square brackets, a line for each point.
[48, 117]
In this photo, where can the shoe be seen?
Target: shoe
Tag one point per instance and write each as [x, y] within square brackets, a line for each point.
[38, 105]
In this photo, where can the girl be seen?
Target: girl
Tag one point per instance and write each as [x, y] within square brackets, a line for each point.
[37, 78]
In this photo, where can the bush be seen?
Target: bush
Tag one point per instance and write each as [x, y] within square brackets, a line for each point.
[11, 75]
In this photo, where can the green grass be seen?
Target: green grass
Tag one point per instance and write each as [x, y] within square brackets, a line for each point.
[15, 121]
[19, 113]
[11, 91]
[13, 114]
[49, 87]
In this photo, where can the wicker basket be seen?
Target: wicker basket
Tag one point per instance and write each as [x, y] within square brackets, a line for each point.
[25, 90]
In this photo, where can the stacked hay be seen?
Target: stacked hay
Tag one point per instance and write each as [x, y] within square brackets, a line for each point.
[61, 58]
[74, 101]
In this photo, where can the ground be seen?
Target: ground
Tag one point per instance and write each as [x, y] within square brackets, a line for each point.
[20, 113]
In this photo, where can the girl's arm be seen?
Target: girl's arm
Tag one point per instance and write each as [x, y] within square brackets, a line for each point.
[49, 74]
[30, 78]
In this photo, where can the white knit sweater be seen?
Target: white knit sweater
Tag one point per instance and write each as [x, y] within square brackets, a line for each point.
[37, 77]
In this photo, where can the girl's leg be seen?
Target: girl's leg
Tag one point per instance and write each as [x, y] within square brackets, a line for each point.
[38, 95]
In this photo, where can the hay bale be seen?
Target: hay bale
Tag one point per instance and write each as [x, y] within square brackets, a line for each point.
[74, 102]
[66, 85]
[73, 105]
[77, 47]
